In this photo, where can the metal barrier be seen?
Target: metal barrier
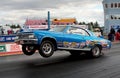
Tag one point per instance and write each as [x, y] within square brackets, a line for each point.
[10, 49]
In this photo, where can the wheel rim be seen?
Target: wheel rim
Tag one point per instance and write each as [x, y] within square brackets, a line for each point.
[96, 51]
[47, 48]
[29, 48]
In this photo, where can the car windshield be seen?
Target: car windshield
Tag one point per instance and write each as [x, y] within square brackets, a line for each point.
[58, 28]
[91, 33]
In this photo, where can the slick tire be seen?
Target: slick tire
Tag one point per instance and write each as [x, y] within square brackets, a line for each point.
[95, 52]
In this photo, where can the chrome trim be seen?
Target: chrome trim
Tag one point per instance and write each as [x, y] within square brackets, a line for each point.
[85, 49]
[26, 41]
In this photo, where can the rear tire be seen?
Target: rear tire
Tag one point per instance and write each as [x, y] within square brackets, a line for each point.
[95, 52]
[46, 48]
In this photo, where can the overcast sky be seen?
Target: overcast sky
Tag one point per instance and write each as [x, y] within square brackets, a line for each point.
[16, 11]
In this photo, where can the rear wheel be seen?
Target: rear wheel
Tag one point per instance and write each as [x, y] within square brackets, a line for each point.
[28, 49]
[95, 52]
[46, 48]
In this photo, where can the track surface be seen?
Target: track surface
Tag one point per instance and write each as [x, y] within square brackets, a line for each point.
[62, 65]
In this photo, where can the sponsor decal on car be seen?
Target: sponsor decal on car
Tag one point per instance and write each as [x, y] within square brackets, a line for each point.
[74, 44]
[82, 45]
[71, 44]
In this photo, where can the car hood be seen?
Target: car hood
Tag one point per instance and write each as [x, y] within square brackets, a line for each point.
[47, 33]
[42, 31]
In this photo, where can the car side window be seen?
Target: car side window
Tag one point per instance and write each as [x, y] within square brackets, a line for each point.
[76, 30]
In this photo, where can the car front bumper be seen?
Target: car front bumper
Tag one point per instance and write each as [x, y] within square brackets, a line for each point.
[26, 41]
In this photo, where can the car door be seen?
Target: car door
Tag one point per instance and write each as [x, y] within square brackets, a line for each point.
[74, 38]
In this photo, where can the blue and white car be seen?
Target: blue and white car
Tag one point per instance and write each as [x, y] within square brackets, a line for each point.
[76, 40]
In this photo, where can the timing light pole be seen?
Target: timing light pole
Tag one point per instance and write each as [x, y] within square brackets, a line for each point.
[48, 20]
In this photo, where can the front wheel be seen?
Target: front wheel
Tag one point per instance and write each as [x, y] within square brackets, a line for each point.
[28, 49]
[46, 49]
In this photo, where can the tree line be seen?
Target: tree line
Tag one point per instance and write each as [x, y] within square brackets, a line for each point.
[13, 25]
[91, 25]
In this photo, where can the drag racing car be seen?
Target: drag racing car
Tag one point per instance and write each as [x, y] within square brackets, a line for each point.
[74, 39]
